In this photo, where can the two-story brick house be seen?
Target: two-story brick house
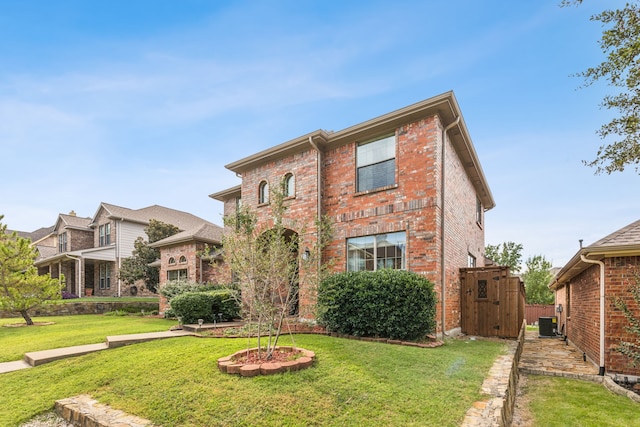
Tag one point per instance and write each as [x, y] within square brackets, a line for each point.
[404, 190]
[89, 251]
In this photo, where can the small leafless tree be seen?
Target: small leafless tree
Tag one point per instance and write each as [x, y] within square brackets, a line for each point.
[270, 262]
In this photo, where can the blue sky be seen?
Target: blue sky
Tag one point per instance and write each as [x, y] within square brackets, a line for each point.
[143, 102]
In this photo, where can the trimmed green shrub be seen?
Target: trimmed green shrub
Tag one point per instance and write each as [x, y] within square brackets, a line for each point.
[191, 306]
[393, 304]
[178, 287]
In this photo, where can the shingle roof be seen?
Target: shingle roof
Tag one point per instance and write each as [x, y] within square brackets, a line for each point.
[629, 235]
[73, 221]
[46, 251]
[182, 220]
[206, 232]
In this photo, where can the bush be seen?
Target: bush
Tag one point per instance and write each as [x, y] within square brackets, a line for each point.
[191, 306]
[393, 304]
[178, 287]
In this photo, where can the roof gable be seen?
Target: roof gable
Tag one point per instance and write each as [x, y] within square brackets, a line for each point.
[182, 220]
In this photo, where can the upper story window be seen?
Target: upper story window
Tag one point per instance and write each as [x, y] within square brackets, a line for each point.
[183, 259]
[377, 252]
[105, 234]
[62, 242]
[289, 185]
[376, 163]
[172, 261]
[471, 261]
[263, 192]
[478, 211]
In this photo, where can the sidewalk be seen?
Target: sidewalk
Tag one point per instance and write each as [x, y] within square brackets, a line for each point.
[37, 358]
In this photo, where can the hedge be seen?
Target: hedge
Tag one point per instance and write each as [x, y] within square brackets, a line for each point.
[191, 306]
[393, 304]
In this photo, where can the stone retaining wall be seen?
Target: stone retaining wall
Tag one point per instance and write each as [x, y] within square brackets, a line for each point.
[72, 308]
[501, 385]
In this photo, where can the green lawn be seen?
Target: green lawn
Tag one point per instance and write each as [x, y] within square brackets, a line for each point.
[563, 402]
[69, 331]
[175, 382]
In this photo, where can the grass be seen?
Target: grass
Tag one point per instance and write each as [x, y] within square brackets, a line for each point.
[562, 402]
[175, 382]
[69, 331]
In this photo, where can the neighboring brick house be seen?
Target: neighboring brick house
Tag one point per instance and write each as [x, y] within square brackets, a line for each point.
[192, 255]
[393, 200]
[586, 288]
[89, 251]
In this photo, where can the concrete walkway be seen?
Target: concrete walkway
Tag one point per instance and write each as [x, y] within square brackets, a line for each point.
[37, 358]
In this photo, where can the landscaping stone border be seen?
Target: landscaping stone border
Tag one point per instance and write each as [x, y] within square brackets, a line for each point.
[228, 365]
[83, 307]
[83, 410]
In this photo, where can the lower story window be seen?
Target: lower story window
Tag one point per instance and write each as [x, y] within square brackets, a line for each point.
[377, 252]
[105, 276]
[177, 274]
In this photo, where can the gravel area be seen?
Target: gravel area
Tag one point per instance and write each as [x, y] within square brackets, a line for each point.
[47, 419]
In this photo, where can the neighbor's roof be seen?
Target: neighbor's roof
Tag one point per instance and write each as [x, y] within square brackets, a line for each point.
[623, 242]
[182, 220]
[444, 106]
[72, 221]
[206, 232]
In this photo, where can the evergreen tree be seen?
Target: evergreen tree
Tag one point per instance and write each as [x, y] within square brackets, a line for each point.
[21, 288]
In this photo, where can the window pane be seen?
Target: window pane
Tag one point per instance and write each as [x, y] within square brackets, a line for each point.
[391, 250]
[360, 253]
[376, 252]
[377, 175]
[376, 151]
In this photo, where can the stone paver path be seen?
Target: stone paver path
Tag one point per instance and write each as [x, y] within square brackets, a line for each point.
[553, 356]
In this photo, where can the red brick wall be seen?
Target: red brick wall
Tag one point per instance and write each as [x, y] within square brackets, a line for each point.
[302, 208]
[411, 205]
[583, 324]
[198, 270]
[619, 276]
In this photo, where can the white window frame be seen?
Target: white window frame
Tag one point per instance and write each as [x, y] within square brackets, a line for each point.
[372, 158]
[363, 253]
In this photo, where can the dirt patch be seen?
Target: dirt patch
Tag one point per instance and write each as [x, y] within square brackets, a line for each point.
[20, 325]
[521, 414]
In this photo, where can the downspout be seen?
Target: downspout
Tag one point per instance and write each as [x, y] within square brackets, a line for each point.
[443, 298]
[601, 264]
[118, 243]
[319, 191]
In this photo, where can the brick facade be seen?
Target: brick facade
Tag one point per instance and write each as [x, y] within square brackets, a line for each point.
[411, 205]
[580, 298]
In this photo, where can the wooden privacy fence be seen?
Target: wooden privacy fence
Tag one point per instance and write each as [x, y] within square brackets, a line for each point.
[491, 302]
[532, 312]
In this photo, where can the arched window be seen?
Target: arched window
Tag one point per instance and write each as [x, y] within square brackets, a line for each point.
[172, 261]
[263, 192]
[183, 259]
[289, 185]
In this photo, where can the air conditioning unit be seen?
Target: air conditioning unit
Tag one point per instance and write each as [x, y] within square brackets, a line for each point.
[548, 326]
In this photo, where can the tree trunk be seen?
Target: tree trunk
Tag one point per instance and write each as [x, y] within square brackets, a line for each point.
[26, 317]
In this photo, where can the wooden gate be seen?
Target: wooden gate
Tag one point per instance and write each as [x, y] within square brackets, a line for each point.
[492, 302]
